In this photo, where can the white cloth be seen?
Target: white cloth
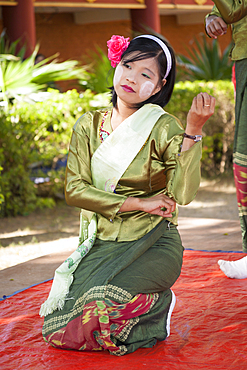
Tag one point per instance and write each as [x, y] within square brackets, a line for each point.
[115, 154]
[234, 269]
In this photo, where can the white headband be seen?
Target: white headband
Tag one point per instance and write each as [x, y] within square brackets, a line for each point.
[165, 49]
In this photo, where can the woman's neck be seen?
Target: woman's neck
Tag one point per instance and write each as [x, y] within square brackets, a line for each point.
[120, 113]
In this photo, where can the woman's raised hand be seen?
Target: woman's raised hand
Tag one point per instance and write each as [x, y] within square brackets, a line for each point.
[201, 110]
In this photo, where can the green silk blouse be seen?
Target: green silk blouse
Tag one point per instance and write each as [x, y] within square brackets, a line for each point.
[235, 13]
[159, 167]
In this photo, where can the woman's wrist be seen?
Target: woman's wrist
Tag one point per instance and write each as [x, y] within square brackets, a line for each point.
[191, 130]
[189, 140]
[131, 204]
[195, 138]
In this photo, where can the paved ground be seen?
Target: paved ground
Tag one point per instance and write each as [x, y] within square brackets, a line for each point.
[210, 222]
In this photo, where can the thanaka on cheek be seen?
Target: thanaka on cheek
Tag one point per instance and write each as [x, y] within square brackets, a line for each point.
[146, 90]
[117, 75]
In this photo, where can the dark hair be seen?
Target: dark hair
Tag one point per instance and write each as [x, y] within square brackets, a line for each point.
[148, 48]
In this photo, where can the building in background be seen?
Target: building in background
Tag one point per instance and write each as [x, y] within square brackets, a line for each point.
[72, 28]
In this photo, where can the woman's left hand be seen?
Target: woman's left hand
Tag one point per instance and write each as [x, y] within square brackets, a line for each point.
[201, 110]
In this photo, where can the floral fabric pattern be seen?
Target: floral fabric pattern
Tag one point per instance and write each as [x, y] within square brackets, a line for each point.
[102, 323]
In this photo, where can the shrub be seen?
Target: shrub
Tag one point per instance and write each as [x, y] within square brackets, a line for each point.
[99, 75]
[218, 132]
[206, 61]
[1, 191]
[36, 136]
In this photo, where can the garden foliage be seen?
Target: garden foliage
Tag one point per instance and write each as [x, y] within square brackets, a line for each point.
[206, 61]
[99, 73]
[218, 132]
[20, 78]
[35, 137]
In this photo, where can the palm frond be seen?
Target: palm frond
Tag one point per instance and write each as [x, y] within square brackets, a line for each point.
[99, 77]
[20, 78]
[57, 72]
[206, 61]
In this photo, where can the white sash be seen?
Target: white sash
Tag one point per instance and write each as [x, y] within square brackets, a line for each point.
[115, 154]
[108, 165]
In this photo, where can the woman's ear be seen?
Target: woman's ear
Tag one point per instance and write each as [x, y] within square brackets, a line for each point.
[163, 82]
[159, 87]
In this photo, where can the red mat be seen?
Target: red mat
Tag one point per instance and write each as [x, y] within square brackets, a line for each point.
[208, 327]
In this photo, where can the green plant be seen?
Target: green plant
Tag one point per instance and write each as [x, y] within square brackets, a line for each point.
[206, 61]
[33, 138]
[20, 78]
[6, 47]
[50, 69]
[1, 192]
[99, 75]
[218, 132]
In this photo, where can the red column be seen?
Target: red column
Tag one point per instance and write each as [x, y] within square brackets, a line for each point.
[19, 22]
[148, 17]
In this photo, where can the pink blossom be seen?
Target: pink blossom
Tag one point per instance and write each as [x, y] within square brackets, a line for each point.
[116, 46]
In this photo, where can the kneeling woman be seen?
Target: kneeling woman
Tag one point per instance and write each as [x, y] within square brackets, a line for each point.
[127, 168]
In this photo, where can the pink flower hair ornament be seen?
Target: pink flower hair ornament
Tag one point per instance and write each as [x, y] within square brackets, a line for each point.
[116, 46]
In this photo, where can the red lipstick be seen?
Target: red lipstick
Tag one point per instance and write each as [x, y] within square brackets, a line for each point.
[127, 88]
